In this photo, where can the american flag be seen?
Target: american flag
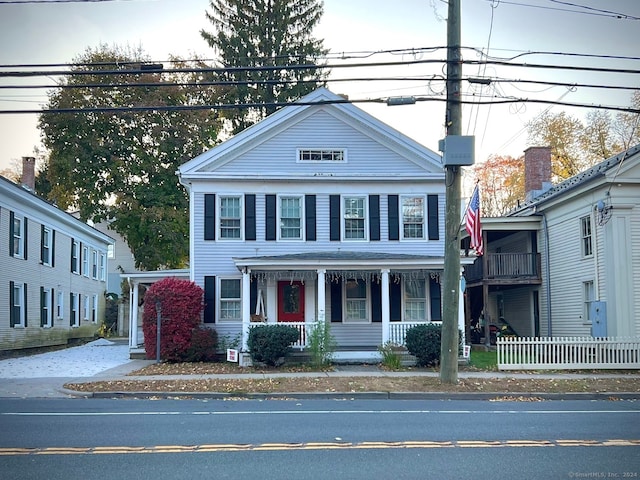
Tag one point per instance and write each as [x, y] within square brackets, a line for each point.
[474, 228]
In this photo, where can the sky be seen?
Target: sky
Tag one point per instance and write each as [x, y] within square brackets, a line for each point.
[54, 31]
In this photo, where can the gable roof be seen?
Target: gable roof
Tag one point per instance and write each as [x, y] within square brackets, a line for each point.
[319, 100]
[610, 166]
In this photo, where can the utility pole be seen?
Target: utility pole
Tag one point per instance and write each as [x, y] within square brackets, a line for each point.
[451, 276]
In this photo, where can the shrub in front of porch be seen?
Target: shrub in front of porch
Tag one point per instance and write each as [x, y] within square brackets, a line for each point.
[423, 342]
[180, 304]
[270, 344]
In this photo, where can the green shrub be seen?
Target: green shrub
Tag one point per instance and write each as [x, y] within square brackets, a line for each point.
[390, 356]
[423, 342]
[321, 345]
[268, 344]
[203, 345]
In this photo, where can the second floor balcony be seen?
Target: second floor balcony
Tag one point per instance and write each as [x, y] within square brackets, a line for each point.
[505, 268]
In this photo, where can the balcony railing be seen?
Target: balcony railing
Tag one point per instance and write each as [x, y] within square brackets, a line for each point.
[504, 266]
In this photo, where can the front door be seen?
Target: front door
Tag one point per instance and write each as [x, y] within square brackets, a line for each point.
[290, 301]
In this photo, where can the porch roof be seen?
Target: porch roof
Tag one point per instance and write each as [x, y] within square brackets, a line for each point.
[342, 260]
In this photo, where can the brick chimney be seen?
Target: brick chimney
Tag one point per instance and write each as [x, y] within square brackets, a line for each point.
[28, 178]
[537, 171]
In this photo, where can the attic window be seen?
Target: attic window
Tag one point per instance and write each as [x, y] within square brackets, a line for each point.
[321, 155]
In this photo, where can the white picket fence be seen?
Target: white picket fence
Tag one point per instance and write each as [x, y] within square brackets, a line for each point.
[551, 353]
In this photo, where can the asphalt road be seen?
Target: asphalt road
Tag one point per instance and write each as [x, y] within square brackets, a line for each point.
[158, 439]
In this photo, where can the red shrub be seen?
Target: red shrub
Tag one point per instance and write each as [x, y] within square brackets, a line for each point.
[180, 304]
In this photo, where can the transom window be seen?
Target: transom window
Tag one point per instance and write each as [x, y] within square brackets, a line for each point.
[415, 300]
[230, 217]
[230, 299]
[585, 230]
[356, 300]
[355, 218]
[413, 217]
[291, 218]
[321, 155]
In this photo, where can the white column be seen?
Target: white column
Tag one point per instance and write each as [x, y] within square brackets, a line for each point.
[246, 307]
[133, 314]
[461, 325]
[384, 286]
[321, 296]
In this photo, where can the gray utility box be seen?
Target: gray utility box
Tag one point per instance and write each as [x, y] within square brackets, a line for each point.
[458, 150]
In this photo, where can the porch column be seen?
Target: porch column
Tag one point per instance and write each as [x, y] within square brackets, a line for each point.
[384, 287]
[246, 307]
[133, 314]
[461, 319]
[321, 295]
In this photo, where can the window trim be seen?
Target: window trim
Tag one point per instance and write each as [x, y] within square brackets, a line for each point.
[220, 298]
[47, 248]
[94, 264]
[402, 218]
[366, 300]
[75, 257]
[86, 307]
[301, 227]
[588, 297]
[220, 218]
[85, 261]
[18, 239]
[425, 299]
[60, 305]
[586, 238]
[365, 217]
[46, 294]
[94, 309]
[75, 308]
[103, 267]
[323, 153]
[19, 301]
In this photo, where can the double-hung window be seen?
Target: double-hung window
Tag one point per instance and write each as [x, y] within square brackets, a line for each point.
[103, 267]
[413, 217]
[589, 297]
[415, 300]
[75, 254]
[585, 234]
[60, 305]
[230, 299]
[75, 310]
[355, 217]
[231, 217]
[46, 308]
[291, 218]
[87, 307]
[85, 260]
[94, 309]
[356, 300]
[17, 304]
[17, 232]
[94, 264]
[46, 247]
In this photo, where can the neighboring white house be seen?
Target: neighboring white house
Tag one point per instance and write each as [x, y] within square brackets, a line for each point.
[567, 261]
[318, 213]
[53, 272]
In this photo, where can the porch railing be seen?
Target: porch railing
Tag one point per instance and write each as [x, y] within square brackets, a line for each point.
[539, 353]
[504, 266]
[303, 331]
[398, 330]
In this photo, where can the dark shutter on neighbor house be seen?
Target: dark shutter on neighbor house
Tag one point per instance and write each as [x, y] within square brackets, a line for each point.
[334, 218]
[253, 295]
[52, 307]
[394, 221]
[209, 216]
[25, 301]
[432, 216]
[210, 299]
[250, 216]
[270, 217]
[310, 217]
[12, 251]
[374, 217]
[336, 301]
[435, 300]
[43, 316]
[376, 301]
[53, 249]
[395, 301]
[12, 310]
[71, 311]
[25, 245]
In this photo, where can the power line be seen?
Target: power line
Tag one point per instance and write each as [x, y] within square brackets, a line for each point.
[596, 12]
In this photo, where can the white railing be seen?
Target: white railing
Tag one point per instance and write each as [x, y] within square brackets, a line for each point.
[398, 330]
[533, 353]
[303, 331]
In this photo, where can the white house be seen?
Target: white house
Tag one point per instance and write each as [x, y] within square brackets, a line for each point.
[318, 213]
[53, 271]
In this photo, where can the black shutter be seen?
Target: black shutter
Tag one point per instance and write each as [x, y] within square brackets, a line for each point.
[376, 301]
[52, 307]
[53, 248]
[374, 217]
[12, 311]
[72, 259]
[253, 295]
[394, 221]
[42, 228]
[24, 309]
[334, 218]
[432, 215]
[435, 297]
[310, 220]
[395, 301]
[71, 317]
[270, 217]
[250, 216]
[210, 299]
[12, 251]
[25, 245]
[209, 216]
[43, 317]
[79, 266]
[336, 301]
[79, 311]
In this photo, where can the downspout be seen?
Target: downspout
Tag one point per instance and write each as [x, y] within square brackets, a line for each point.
[545, 231]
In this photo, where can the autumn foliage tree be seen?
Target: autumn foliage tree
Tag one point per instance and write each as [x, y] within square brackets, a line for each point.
[180, 303]
[501, 180]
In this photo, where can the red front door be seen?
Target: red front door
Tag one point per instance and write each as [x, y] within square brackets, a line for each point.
[290, 301]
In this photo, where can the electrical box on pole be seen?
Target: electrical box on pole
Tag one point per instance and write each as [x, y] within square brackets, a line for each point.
[458, 150]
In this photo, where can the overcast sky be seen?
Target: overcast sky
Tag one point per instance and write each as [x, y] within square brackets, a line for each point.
[57, 32]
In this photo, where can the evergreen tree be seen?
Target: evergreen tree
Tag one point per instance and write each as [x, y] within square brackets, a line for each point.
[265, 38]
